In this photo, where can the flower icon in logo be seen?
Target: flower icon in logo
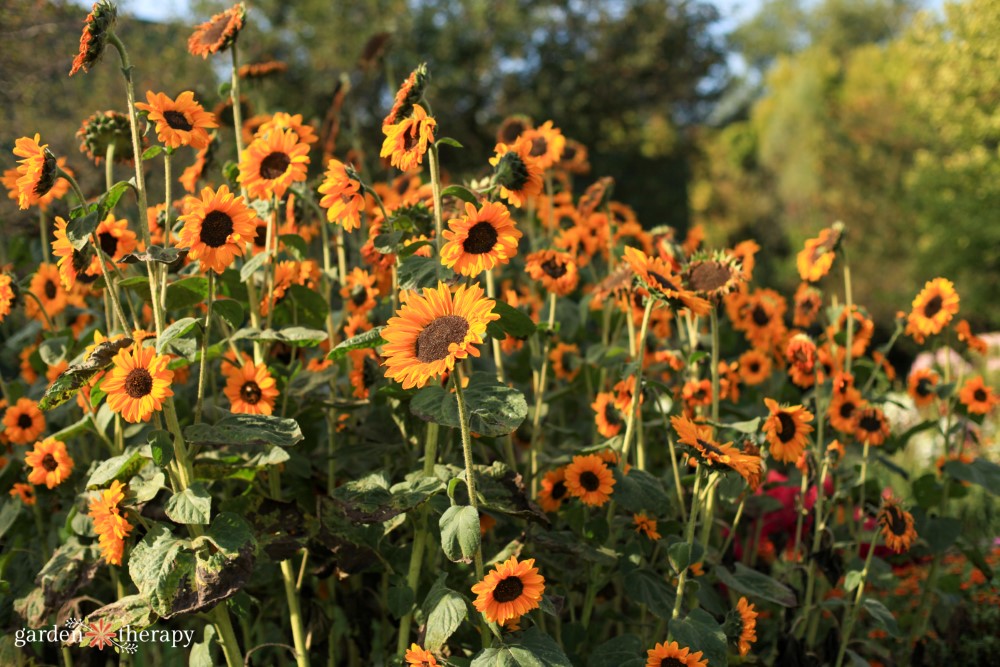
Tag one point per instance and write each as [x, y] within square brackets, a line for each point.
[100, 634]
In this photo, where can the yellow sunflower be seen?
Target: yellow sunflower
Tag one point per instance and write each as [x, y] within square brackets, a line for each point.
[110, 525]
[787, 430]
[23, 422]
[359, 291]
[658, 276]
[406, 141]
[285, 122]
[932, 309]
[871, 425]
[589, 479]
[816, 259]
[271, 163]
[433, 329]
[73, 264]
[94, 37]
[251, 390]
[977, 397]
[342, 196]
[50, 463]
[747, 617]
[37, 170]
[897, 526]
[672, 655]
[417, 656]
[481, 240]
[754, 367]
[510, 590]
[46, 284]
[517, 173]
[553, 491]
[138, 383]
[218, 33]
[217, 228]
[180, 122]
[556, 270]
[546, 144]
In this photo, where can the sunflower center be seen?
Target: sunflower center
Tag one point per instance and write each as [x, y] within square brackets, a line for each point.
[512, 172]
[508, 590]
[215, 229]
[896, 522]
[481, 239]
[410, 139]
[47, 178]
[786, 430]
[434, 341]
[611, 415]
[274, 165]
[539, 146]
[979, 395]
[671, 662]
[260, 237]
[554, 269]
[589, 481]
[49, 463]
[710, 447]
[569, 152]
[760, 316]
[369, 372]
[214, 33]
[870, 422]
[50, 289]
[923, 387]
[709, 276]
[754, 367]
[138, 383]
[933, 307]
[109, 244]
[250, 392]
[558, 490]
[663, 281]
[847, 409]
[177, 120]
[24, 421]
[359, 295]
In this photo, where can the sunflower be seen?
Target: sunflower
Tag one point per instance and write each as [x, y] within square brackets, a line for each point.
[50, 463]
[659, 278]
[574, 158]
[364, 371]
[845, 407]
[589, 479]
[801, 356]
[921, 386]
[47, 286]
[645, 525]
[808, 301]
[251, 390]
[517, 173]
[115, 239]
[342, 196]
[546, 144]
[23, 422]
[712, 277]
[286, 122]
[409, 94]
[93, 39]
[101, 130]
[557, 270]
[862, 333]
[262, 70]
[977, 397]
[8, 295]
[787, 430]
[513, 127]
[746, 616]
[110, 525]
[37, 172]
[759, 316]
[710, 452]
[24, 492]
[217, 228]
[271, 163]
[420, 657]
[672, 655]
[359, 291]
[932, 309]
[480, 240]
[975, 343]
[406, 141]
[754, 367]
[202, 159]
[553, 490]
[565, 360]
[183, 122]
[897, 526]
[138, 383]
[218, 33]
[510, 590]
[433, 329]
[73, 264]
[871, 426]
[608, 419]
[816, 259]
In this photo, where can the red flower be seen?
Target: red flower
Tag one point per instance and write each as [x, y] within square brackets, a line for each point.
[100, 634]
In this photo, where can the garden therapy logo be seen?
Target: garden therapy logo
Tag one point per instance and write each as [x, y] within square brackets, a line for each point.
[99, 634]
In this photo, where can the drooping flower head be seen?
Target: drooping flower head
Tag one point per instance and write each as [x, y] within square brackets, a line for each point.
[96, 28]
[37, 171]
[659, 280]
[103, 129]
[406, 141]
[73, 264]
[138, 383]
[897, 526]
[744, 621]
[217, 228]
[511, 589]
[816, 259]
[110, 524]
[480, 240]
[408, 96]
[342, 196]
[180, 122]
[517, 173]
[50, 463]
[218, 33]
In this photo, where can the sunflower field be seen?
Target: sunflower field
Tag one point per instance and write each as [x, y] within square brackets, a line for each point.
[311, 409]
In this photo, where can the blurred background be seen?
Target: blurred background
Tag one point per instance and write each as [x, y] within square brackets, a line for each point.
[764, 120]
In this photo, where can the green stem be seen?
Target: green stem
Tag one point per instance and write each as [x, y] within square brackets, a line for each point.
[689, 538]
[203, 363]
[109, 287]
[637, 389]
[43, 234]
[291, 594]
[536, 420]
[227, 636]
[864, 477]
[856, 607]
[435, 168]
[848, 296]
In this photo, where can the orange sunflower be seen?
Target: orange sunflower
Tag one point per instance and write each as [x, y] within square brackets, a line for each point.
[116, 241]
[801, 356]
[932, 309]
[754, 367]
[513, 127]
[517, 173]
[553, 491]
[218, 33]
[565, 360]
[24, 492]
[608, 419]
[659, 277]
[271, 163]
[546, 144]
[8, 295]
[94, 38]
[672, 655]
[921, 386]
[975, 343]
[432, 330]
[102, 129]
[46, 285]
[871, 425]
[202, 159]
[284, 122]
[217, 228]
[73, 264]
[897, 526]
[977, 397]
[110, 525]
[845, 407]
[420, 657]
[510, 590]
[480, 240]
[808, 301]
[251, 390]
[557, 270]
[747, 617]
[37, 171]
[410, 93]
[23, 422]
[714, 276]
[406, 141]
[816, 259]
[50, 463]
[787, 430]
[589, 479]
[138, 383]
[342, 196]
[645, 525]
[359, 291]
[180, 122]
[710, 452]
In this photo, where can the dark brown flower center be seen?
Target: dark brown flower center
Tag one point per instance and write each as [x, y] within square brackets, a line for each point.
[359, 295]
[250, 392]
[215, 31]
[508, 589]
[979, 395]
[50, 289]
[897, 523]
[274, 165]
[481, 239]
[847, 409]
[709, 276]
[49, 463]
[554, 268]
[138, 383]
[24, 421]
[760, 316]
[177, 120]
[754, 367]
[663, 281]
[786, 427]
[435, 339]
[215, 229]
[569, 152]
[558, 490]
[611, 415]
[933, 307]
[710, 447]
[260, 237]
[924, 387]
[589, 481]
[511, 130]
[411, 137]
[109, 243]
[539, 146]
[671, 662]
[870, 422]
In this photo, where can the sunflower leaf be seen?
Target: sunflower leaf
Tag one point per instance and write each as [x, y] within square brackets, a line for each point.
[175, 330]
[155, 254]
[444, 610]
[448, 141]
[623, 651]
[512, 322]
[151, 152]
[230, 310]
[187, 292]
[755, 584]
[882, 616]
[650, 589]
[460, 536]
[369, 339]
[193, 505]
[494, 409]
[638, 491]
[246, 430]
[120, 467]
[463, 193]
[701, 630]
[416, 272]
[293, 336]
[981, 471]
[251, 266]
[81, 226]
[77, 375]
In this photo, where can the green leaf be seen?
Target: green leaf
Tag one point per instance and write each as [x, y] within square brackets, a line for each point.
[144, 486]
[682, 555]
[230, 310]
[245, 430]
[749, 427]
[983, 472]
[131, 610]
[120, 467]
[151, 152]
[193, 505]
[201, 652]
[175, 330]
[444, 610]
[448, 141]
[494, 409]
[460, 533]
[463, 193]
[109, 199]
[371, 499]
[755, 584]
[883, 617]
[700, 630]
[369, 339]
[512, 321]
[649, 588]
[296, 244]
[311, 307]
[927, 491]
[400, 599]
[388, 242]
[638, 491]
[533, 648]
[623, 651]
[416, 272]
[293, 336]
[80, 227]
[157, 254]
[251, 266]
[54, 350]
[187, 292]
[852, 580]
[9, 512]
[940, 532]
[161, 447]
